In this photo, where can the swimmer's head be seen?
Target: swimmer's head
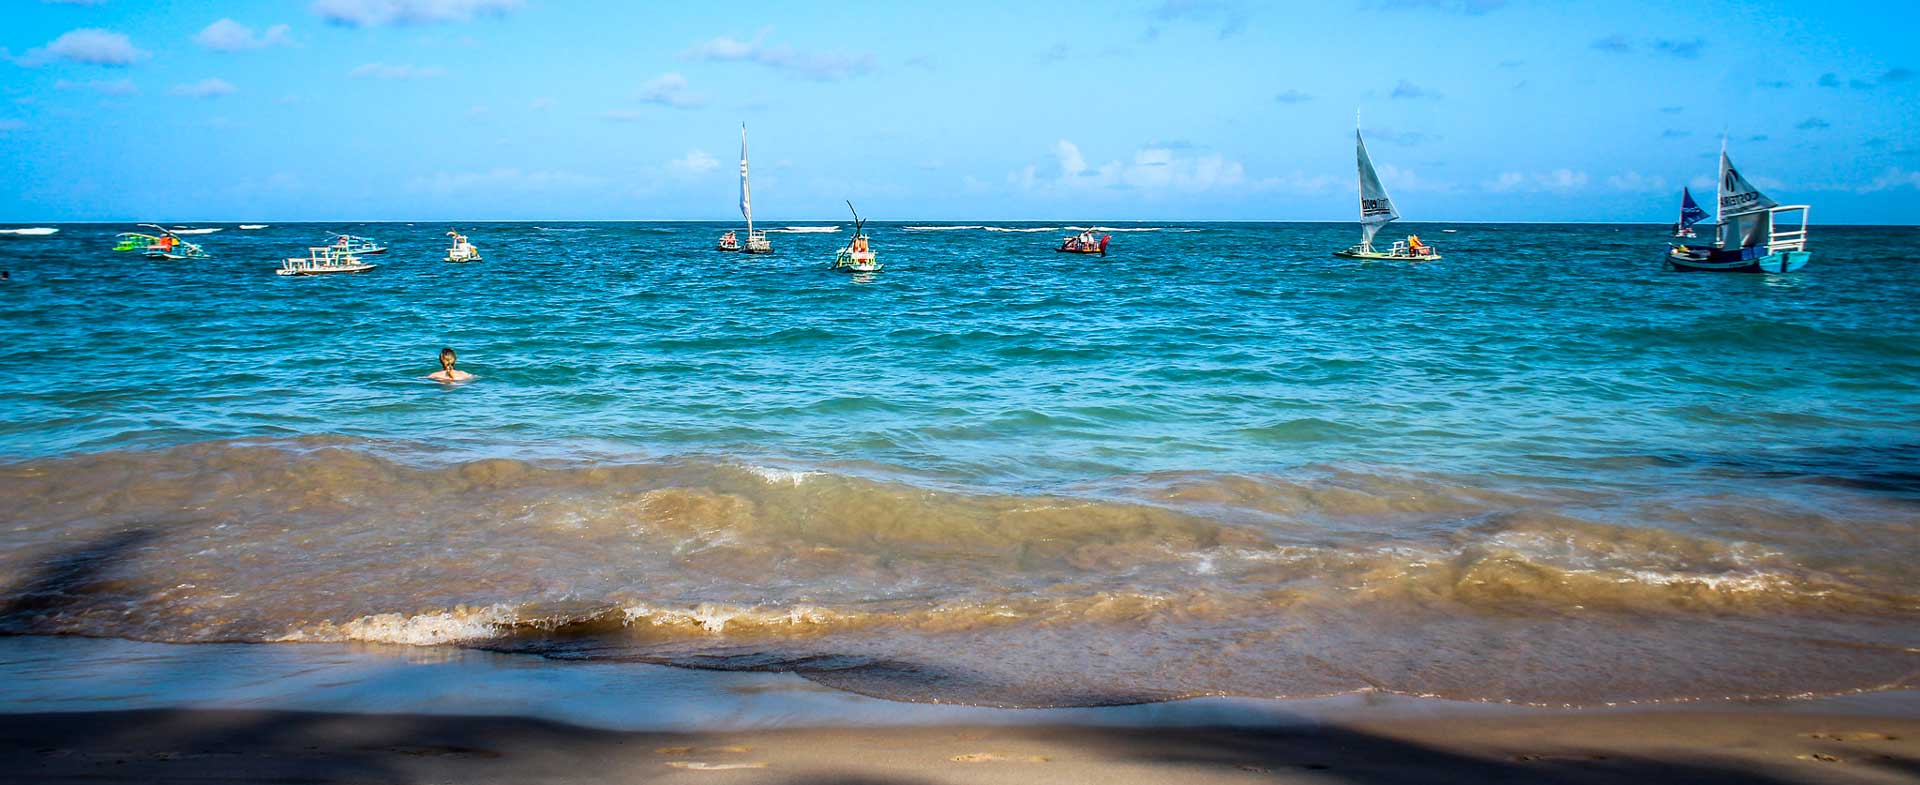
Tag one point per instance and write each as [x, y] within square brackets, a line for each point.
[447, 359]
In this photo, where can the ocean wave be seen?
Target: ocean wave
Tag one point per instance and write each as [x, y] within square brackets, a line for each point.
[30, 231]
[939, 228]
[804, 230]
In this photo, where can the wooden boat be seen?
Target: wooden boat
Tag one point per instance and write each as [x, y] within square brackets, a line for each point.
[461, 251]
[1084, 242]
[858, 256]
[728, 242]
[358, 246]
[756, 239]
[1376, 210]
[165, 245]
[1747, 234]
[323, 260]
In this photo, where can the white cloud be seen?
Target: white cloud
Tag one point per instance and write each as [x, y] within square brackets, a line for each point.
[819, 66]
[1152, 169]
[371, 13]
[399, 71]
[668, 89]
[1890, 179]
[122, 86]
[1400, 179]
[88, 46]
[1556, 181]
[693, 163]
[227, 35]
[1637, 182]
[504, 179]
[205, 88]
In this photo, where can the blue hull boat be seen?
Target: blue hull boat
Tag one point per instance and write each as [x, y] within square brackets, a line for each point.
[1743, 260]
[1753, 234]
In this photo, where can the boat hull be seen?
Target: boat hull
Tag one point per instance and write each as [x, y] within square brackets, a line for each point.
[462, 260]
[358, 268]
[1779, 262]
[758, 250]
[1091, 251]
[1376, 256]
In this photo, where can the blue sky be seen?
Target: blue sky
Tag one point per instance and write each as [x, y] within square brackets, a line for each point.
[1183, 109]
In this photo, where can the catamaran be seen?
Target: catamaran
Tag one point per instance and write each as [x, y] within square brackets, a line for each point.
[462, 251]
[1690, 214]
[358, 246]
[858, 256]
[165, 245]
[1747, 237]
[322, 260]
[1376, 210]
[756, 239]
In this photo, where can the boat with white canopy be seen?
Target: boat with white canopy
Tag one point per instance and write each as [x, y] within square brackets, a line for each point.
[165, 245]
[358, 246]
[858, 256]
[1690, 213]
[462, 250]
[1747, 234]
[324, 260]
[756, 239]
[1376, 211]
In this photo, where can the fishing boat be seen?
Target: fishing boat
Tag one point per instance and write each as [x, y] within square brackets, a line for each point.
[756, 239]
[1747, 233]
[1085, 242]
[730, 241]
[358, 246]
[1690, 214]
[165, 245]
[1376, 210]
[323, 260]
[462, 251]
[858, 256]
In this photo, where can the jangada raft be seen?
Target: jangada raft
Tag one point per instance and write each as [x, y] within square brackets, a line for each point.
[461, 250]
[1376, 210]
[165, 245]
[1084, 242]
[728, 242]
[323, 260]
[858, 256]
[358, 246]
[756, 239]
[1747, 236]
[1690, 214]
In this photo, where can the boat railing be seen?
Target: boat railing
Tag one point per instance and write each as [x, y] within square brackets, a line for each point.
[1791, 239]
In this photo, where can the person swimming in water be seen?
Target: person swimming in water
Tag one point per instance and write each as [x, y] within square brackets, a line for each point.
[446, 372]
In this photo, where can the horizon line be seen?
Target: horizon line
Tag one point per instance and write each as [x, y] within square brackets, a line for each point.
[176, 223]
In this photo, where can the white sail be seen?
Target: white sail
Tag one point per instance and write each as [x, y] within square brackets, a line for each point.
[746, 193]
[1376, 208]
[1744, 218]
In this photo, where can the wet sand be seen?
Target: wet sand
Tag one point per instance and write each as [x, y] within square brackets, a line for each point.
[1624, 747]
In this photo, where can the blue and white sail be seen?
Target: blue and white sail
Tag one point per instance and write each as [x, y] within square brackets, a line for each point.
[1690, 211]
[1376, 208]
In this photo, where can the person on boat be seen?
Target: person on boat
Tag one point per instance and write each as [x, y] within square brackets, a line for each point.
[1414, 246]
[447, 372]
[1103, 243]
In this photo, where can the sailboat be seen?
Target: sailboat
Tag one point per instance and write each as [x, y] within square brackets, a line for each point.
[165, 245]
[1376, 210]
[756, 239]
[1690, 214]
[1747, 234]
[858, 256]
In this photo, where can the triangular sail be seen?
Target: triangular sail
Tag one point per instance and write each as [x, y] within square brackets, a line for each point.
[746, 193]
[1376, 208]
[1738, 196]
[1690, 211]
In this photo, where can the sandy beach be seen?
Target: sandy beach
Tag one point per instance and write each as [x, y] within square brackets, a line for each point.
[273, 746]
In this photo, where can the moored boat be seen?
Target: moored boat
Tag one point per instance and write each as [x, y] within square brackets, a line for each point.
[358, 246]
[858, 256]
[1747, 234]
[165, 245]
[1377, 210]
[756, 239]
[322, 260]
[1085, 242]
[730, 241]
[461, 250]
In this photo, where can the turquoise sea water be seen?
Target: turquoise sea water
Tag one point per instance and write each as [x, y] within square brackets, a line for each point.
[1216, 434]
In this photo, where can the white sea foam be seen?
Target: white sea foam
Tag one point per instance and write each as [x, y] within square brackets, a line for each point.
[195, 231]
[427, 629]
[780, 476]
[714, 618]
[1021, 229]
[939, 228]
[805, 230]
[31, 231]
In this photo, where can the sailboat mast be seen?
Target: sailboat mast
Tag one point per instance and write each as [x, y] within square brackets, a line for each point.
[1720, 197]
